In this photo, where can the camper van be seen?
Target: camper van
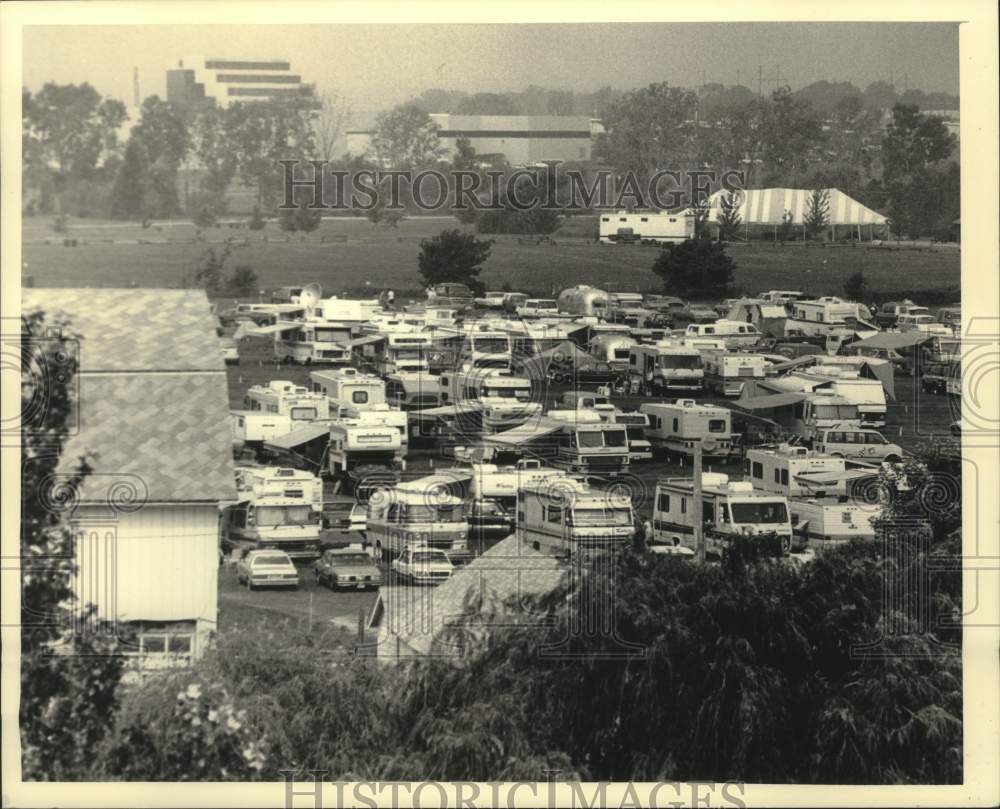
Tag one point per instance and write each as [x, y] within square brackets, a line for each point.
[583, 301]
[362, 457]
[623, 227]
[276, 508]
[565, 516]
[728, 508]
[734, 333]
[614, 350]
[677, 426]
[727, 372]
[665, 367]
[817, 489]
[856, 443]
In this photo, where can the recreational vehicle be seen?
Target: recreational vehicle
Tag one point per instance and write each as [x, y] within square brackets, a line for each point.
[276, 508]
[728, 508]
[828, 311]
[727, 372]
[678, 426]
[565, 516]
[868, 395]
[288, 399]
[636, 424]
[406, 516]
[349, 387]
[363, 457]
[819, 514]
[923, 323]
[583, 301]
[848, 440]
[624, 227]
[402, 351]
[613, 349]
[537, 307]
[413, 390]
[734, 333]
[665, 367]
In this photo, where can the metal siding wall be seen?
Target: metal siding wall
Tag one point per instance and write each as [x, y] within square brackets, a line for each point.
[159, 563]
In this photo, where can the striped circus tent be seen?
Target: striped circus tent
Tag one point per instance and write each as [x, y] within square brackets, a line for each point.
[767, 206]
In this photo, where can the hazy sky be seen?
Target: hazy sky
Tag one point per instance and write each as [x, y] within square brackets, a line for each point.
[377, 66]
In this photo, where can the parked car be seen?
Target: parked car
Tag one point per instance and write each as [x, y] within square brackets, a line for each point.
[347, 568]
[491, 300]
[856, 443]
[266, 568]
[489, 520]
[422, 565]
[230, 352]
[597, 373]
[935, 377]
[344, 513]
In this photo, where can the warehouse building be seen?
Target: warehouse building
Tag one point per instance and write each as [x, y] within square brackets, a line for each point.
[153, 425]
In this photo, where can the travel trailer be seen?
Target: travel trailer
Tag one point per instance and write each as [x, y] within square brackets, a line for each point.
[734, 333]
[820, 516]
[624, 227]
[677, 426]
[564, 516]
[583, 301]
[728, 508]
[276, 508]
[502, 482]
[409, 514]
[727, 372]
[363, 457]
[614, 350]
[665, 367]
[830, 309]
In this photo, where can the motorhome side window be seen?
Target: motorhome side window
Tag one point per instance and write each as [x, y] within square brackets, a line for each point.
[664, 504]
[684, 505]
[676, 425]
[716, 425]
[758, 470]
[359, 397]
[553, 514]
[784, 477]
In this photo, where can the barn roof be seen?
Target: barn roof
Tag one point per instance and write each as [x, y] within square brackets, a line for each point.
[767, 206]
[152, 403]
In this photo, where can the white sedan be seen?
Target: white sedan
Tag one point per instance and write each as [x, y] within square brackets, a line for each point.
[423, 565]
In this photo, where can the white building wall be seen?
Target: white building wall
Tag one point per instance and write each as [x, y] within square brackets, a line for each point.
[158, 563]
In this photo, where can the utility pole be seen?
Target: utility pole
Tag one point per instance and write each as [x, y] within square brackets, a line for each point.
[697, 518]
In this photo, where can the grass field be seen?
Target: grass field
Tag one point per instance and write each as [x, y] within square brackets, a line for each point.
[356, 253]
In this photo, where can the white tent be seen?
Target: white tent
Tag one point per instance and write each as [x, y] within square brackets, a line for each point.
[767, 206]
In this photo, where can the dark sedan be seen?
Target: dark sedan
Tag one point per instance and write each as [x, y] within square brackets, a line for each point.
[348, 569]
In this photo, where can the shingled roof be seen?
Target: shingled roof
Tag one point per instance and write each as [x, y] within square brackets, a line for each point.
[495, 589]
[153, 406]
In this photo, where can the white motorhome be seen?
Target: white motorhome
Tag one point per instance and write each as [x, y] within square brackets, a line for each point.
[363, 457]
[831, 310]
[727, 372]
[565, 516]
[287, 399]
[402, 351]
[584, 301]
[502, 482]
[868, 395]
[349, 387]
[636, 424]
[411, 514]
[645, 226]
[733, 333]
[276, 508]
[413, 390]
[677, 426]
[805, 414]
[728, 508]
[666, 366]
[822, 511]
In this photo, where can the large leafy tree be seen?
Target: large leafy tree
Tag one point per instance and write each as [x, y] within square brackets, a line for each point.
[696, 267]
[453, 256]
[405, 138]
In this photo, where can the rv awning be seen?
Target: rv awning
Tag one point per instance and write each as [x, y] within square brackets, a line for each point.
[770, 402]
[808, 359]
[448, 478]
[299, 436]
[444, 411]
[247, 330]
[894, 340]
[364, 341]
[525, 433]
[831, 478]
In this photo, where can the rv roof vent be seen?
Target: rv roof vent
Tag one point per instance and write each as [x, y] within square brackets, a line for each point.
[686, 402]
[741, 486]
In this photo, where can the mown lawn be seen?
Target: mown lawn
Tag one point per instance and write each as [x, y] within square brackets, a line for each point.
[356, 255]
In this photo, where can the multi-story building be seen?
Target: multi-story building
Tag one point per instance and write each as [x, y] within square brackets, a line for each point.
[199, 80]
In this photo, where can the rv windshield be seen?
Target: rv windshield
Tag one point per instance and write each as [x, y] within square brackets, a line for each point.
[327, 335]
[276, 516]
[304, 414]
[434, 514]
[602, 516]
[680, 362]
[491, 345]
[769, 513]
[615, 438]
[843, 412]
[589, 439]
